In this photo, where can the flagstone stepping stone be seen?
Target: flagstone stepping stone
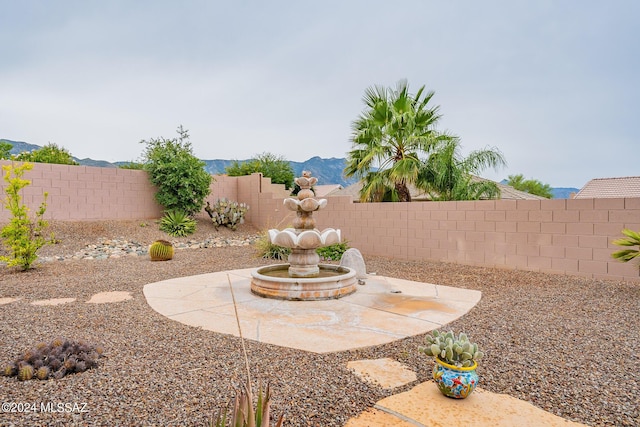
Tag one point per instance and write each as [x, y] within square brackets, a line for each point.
[107, 297]
[53, 301]
[386, 373]
[482, 408]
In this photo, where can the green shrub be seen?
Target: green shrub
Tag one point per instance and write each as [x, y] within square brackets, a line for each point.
[177, 224]
[182, 181]
[333, 252]
[226, 212]
[22, 236]
[268, 164]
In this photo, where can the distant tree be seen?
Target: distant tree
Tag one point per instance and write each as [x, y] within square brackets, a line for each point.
[271, 166]
[50, 153]
[182, 181]
[447, 175]
[132, 165]
[5, 149]
[393, 133]
[531, 186]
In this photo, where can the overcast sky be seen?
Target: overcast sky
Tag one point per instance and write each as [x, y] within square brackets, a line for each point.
[554, 85]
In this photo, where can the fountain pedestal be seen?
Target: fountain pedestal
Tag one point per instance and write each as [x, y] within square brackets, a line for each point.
[303, 263]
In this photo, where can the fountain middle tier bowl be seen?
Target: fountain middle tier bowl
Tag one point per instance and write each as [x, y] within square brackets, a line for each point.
[333, 282]
[307, 239]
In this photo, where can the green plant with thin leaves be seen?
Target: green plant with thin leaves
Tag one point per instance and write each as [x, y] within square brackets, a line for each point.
[531, 186]
[266, 249]
[632, 239]
[447, 175]
[23, 236]
[177, 223]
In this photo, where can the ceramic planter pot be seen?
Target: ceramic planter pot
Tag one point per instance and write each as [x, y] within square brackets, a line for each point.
[453, 381]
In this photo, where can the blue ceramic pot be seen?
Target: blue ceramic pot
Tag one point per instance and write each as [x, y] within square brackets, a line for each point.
[454, 381]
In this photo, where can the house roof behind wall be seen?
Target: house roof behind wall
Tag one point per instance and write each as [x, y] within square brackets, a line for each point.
[506, 193]
[628, 186]
[326, 189]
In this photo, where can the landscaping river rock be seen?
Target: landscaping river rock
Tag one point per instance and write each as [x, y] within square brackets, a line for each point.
[118, 248]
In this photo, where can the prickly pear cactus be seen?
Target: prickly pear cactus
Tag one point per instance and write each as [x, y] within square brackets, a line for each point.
[161, 250]
[228, 213]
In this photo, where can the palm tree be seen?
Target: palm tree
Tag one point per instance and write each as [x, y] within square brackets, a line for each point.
[446, 175]
[391, 134]
[531, 186]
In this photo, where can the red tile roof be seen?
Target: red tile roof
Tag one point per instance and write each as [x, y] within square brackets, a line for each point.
[610, 187]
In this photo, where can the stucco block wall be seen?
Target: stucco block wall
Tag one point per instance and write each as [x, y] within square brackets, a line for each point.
[83, 193]
[557, 236]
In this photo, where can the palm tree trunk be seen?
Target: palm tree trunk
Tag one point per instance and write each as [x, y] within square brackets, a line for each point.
[403, 192]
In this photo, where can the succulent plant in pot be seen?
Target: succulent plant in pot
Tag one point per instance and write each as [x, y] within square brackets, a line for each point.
[456, 361]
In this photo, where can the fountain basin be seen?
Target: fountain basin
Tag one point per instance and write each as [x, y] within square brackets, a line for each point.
[332, 282]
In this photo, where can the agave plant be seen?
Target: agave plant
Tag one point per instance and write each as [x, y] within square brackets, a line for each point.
[632, 239]
[177, 224]
[243, 413]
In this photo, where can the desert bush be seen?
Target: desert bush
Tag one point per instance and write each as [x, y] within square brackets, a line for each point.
[23, 236]
[50, 153]
[182, 181]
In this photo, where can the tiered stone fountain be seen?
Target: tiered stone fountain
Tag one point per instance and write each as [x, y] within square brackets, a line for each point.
[304, 279]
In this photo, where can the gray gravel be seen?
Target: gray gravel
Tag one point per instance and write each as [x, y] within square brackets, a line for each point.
[568, 345]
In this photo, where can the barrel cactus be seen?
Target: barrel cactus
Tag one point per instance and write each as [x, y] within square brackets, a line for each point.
[161, 250]
[25, 372]
[452, 349]
[54, 360]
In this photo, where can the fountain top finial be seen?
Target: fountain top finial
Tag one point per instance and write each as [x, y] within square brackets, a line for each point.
[306, 181]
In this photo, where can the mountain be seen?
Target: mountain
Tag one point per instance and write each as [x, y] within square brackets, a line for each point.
[563, 192]
[19, 146]
[328, 171]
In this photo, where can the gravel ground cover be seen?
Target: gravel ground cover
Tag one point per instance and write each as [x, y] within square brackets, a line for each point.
[568, 345]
